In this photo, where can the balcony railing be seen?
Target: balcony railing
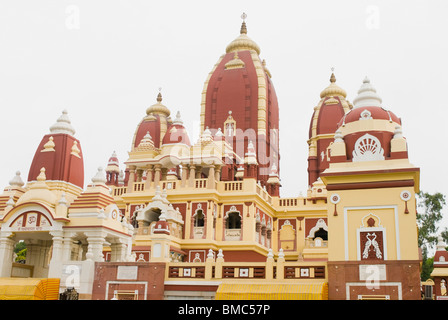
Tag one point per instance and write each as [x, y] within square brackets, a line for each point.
[232, 234]
[213, 269]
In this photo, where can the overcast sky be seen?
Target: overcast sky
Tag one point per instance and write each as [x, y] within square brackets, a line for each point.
[104, 61]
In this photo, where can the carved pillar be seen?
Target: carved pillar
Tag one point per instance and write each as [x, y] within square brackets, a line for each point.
[192, 176]
[184, 176]
[157, 175]
[218, 173]
[131, 179]
[118, 251]
[95, 248]
[211, 177]
[6, 253]
[149, 177]
[57, 254]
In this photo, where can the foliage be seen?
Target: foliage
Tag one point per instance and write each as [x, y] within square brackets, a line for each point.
[21, 255]
[20, 250]
[429, 214]
[19, 246]
[427, 267]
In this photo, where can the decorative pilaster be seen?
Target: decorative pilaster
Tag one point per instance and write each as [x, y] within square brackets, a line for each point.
[211, 177]
[131, 179]
[157, 175]
[149, 177]
[192, 176]
[95, 248]
[6, 253]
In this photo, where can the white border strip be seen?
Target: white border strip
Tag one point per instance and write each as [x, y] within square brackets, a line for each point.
[108, 283]
[382, 284]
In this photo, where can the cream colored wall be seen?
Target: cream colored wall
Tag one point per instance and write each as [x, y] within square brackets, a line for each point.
[386, 204]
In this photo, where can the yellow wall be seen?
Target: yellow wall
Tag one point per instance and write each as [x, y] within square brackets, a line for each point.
[400, 230]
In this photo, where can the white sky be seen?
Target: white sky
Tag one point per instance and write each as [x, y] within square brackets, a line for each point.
[104, 61]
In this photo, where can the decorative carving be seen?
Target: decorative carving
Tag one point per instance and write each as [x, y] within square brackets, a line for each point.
[75, 150]
[365, 115]
[49, 146]
[405, 196]
[368, 148]
[372, 244]
[335, 198]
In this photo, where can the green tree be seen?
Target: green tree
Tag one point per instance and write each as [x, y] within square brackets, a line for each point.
[20, 250]
[429, 214]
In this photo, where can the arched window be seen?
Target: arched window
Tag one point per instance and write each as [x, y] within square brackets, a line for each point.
[153, 215]
[233, 220]
[321, 233]
[199, 218]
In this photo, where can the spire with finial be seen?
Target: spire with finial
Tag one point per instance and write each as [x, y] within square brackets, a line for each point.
[332, 78]
[158, 108]
[178, 119]
[333, 89]
[367, 95]
[243, 42]
[243, 25]
[159, 96]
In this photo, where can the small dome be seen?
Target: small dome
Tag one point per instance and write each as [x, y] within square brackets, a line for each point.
[146, 144]
[100, 177]
[333, 89]
[176, 133]
[158, 108]
[113, 165]
[368, 106]
[367, 96]
[63, 125]
[16, 181]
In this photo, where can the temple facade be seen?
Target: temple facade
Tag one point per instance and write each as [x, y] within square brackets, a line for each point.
[183, 219]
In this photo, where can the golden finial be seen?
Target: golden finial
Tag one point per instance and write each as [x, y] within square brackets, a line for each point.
[243, 25]
[332, 78]
[159, 96]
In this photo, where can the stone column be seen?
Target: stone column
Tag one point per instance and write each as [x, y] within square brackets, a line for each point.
[218, 173]
[6, 254]
[270, 266]
[95, 248]
[57, 255]
[219, 264]
[149, 177]
[209, 262]
[67, 249]
[192, 176]
[211, 177]
[131, 179]
[281, 265]
[157, 175]
[118, 251]
[184, 176]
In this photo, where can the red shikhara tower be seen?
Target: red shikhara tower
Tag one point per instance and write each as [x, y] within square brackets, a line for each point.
[59, 152]
[239, 100]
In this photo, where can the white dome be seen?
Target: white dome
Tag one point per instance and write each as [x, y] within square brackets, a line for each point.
[63, 125]
[367, 96]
